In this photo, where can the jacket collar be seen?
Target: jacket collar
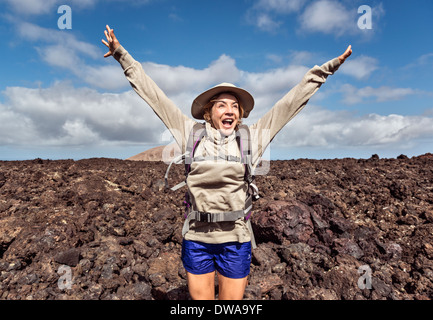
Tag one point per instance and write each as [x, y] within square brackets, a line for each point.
[217, 137]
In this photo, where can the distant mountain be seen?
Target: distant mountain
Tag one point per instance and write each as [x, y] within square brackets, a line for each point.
[161, 153]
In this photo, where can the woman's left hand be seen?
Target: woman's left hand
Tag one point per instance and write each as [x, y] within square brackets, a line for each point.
[112, 43]
[346, 54]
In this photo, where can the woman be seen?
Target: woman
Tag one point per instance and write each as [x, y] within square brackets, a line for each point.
[214, 185]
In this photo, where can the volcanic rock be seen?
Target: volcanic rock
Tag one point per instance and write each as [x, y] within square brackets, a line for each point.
[105, 229]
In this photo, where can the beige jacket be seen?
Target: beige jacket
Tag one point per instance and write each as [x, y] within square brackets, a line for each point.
[217, 185]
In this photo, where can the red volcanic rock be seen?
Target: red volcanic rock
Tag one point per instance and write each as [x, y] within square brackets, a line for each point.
[107, 229]
[284, 220]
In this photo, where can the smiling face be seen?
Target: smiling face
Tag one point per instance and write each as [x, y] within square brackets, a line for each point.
[225, 113]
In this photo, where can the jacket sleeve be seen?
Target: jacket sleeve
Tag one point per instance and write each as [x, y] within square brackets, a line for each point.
[289, 106]
[172, 117]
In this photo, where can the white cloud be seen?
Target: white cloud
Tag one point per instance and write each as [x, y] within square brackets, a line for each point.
[16, 128]
[361, 67]
[353, 95]
[266, 23]
[280, 6]
[266, 14]
[65, 116]
[78, 132]
[424, 61]
[329, 17]
[68, 117]
[31, 7]
[55, 37]
[40, 7]
[318, 127]
[174, 80]
[301, 57]
[63, 50]
[62, 115]
[270, 86]
[60, 56]
[108, 77]
[333, 17]
[274, 58]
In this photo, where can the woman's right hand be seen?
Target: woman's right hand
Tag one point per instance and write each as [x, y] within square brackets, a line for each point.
[112, 43]
[345, 55]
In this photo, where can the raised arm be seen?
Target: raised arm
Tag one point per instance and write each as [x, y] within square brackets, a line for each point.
[173, 118]
[291, 104]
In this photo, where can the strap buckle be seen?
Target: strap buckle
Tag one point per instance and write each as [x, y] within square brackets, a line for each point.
[205, 217]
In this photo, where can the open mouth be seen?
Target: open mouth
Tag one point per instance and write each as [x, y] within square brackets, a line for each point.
[227, 123]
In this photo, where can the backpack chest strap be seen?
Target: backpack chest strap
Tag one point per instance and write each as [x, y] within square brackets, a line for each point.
[228, 158]
[211, 217]
[220, 217]
[217, 217]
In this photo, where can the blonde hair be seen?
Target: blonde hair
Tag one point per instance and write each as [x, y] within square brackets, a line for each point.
[207, 109]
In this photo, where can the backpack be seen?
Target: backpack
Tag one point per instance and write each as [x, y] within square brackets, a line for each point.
[243, 139]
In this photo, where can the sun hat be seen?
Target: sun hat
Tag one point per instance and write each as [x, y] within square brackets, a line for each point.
[245, 98]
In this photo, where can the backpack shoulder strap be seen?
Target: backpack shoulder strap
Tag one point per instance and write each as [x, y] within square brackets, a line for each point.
[195, 136]
[245, 146]
[197, 133]
[244, 140]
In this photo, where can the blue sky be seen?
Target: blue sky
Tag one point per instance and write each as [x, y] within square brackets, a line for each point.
[60, 99]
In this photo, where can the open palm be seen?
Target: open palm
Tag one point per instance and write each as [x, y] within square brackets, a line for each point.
[112, 43]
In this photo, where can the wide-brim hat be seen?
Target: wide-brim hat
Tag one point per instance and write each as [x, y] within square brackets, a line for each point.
[244, 97]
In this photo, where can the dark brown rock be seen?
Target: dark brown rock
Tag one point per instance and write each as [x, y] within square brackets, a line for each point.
[318, 224]
[69, 257]
[284, 219]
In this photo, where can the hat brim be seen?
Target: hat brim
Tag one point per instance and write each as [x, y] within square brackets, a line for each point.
[246, 99]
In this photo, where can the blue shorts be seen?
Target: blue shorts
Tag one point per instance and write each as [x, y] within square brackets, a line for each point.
[231, 259]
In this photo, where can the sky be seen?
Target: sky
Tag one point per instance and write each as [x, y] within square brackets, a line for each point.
[61, 99]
